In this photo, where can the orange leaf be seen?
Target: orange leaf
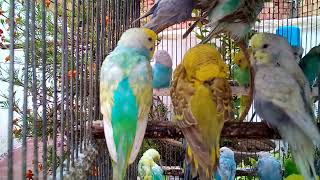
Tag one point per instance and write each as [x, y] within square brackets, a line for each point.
[47, 3]
[107, 20]
[29, 174]
[72, 73]
[15, 121]
[40, 167]
[6, 59]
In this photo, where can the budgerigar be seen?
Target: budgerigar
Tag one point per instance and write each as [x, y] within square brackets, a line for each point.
[148, 169]
[282, 97]
[241, 74]
[161, 70]
[227, 165]
[126, 96]
[166, 13]
[310, 64]
[234, 18]
[269, 168]
[296, 177]
[202, 101]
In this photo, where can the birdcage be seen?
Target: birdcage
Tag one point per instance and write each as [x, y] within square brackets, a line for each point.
[52, 53]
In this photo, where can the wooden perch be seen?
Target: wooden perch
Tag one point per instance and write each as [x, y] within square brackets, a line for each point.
[234, 130]
[178, 171]
[236, 90]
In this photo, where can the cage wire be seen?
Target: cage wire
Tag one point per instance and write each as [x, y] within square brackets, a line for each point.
[53, 86]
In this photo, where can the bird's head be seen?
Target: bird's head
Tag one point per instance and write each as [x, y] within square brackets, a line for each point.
[263, 155]
[204, 62]
[240, 59]
[140, 38]
[152, 153]
[163, 57]
[226, 152]
[267, 48]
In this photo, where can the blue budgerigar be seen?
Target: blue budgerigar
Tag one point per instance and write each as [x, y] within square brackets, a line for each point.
[161, 70]
[227, 165]
[282, 97]
[166, 13]
[126, 96]
[269, 168]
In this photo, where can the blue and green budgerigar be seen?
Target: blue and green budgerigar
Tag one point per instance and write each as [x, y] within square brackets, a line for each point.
[126, 96]
[148, 169]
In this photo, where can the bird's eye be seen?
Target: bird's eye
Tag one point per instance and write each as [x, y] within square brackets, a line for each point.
[150, 39]
[265, 46]
[151, 49]
[278, 64]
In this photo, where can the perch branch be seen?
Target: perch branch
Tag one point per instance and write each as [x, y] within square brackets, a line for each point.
[236, 90]
[177, 171]
[167, 129]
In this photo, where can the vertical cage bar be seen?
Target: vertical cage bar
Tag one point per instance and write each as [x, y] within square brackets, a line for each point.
[72, 123]
[25, 91]
[90, 104]
[77, 135]
[34, 91]
[44, 88]
[64, 50]
[55, 90]
[11, 92]
[97, 61]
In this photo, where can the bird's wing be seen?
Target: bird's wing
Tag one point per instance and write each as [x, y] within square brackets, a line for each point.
[201, 112]
[111, 75]
[225, 168]
[141, 83]
[168, 13]
[151, 10]
[284, 93]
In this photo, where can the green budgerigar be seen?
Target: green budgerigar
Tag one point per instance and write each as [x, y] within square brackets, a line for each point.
[241, 74]
[310, 64]
[126, 96]
[282, 97]
[148, 169]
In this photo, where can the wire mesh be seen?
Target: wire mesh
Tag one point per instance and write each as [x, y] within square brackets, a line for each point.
[53, 87]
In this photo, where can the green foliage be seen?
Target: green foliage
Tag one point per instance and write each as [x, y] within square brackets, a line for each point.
[33, 116]
[290, 166]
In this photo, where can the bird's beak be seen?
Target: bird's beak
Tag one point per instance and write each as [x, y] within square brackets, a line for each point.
[160, 163]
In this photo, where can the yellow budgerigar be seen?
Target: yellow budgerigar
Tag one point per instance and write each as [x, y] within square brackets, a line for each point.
[202, 101]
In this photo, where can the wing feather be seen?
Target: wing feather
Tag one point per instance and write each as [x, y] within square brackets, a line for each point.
[200, 113]
[141, 83]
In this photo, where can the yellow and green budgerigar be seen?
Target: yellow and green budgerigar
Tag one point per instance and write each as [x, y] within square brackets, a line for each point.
[241, 74]
[126, 96]
[148, 169]
[202, 100]
[297, 177]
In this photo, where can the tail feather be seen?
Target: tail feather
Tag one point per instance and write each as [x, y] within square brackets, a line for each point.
[302, 148]
[119, 168]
